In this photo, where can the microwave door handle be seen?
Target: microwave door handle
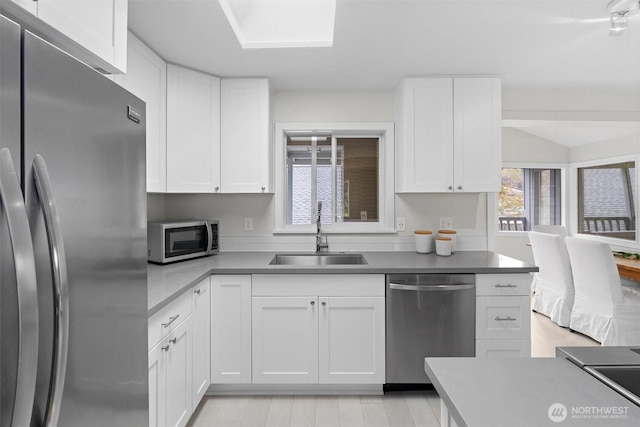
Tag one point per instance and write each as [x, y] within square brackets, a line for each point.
[27, 290]
[209, 238]
[61, 287]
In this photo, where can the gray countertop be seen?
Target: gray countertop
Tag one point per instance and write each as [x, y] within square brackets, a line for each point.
[519, 392]
[166, 282]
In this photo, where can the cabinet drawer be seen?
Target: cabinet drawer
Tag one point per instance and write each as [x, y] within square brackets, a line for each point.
[167, 319]
[503, 284]
[503, 317]
[490, 349]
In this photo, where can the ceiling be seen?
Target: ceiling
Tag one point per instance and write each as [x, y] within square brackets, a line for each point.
[530, 44]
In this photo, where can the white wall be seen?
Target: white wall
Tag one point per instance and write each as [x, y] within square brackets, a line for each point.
[606, 149]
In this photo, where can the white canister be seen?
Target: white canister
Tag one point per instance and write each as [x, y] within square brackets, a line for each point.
[424, 241]
[450, 234]
[443, 246]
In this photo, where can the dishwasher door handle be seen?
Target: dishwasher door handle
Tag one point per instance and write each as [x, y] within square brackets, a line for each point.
[430, 288]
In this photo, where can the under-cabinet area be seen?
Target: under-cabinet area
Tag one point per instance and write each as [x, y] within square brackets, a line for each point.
[283, 331]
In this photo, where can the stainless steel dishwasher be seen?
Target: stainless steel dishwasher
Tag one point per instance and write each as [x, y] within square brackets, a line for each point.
[428, 315]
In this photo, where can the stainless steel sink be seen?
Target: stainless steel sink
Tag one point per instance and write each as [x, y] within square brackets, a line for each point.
[318, 259]
[623, 379]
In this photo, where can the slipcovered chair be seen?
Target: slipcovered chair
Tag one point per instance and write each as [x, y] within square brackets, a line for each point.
[603, 309]
[554, 282]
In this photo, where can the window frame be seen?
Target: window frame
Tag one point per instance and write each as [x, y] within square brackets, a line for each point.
[564, 196]
[573, 229]
[386, 176]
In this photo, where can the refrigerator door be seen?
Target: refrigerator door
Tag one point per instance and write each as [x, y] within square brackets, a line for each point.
[18, 299]
[86, 130]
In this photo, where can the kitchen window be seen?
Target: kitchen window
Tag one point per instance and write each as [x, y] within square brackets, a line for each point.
[607, 200]
[529, 197]
[349, 168]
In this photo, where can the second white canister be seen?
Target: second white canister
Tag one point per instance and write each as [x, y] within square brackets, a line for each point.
[424, 241]
[450, 234]
[443, 246]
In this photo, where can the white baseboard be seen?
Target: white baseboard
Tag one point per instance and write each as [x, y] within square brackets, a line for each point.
[294, 389]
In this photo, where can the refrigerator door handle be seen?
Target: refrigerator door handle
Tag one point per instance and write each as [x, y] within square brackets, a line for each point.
[27, 290]
[61, 287]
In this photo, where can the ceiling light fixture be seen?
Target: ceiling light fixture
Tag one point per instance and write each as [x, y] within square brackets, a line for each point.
[281, 23]
[619, 11]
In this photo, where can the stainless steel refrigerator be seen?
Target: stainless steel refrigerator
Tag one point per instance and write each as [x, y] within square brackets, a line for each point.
[73, 296]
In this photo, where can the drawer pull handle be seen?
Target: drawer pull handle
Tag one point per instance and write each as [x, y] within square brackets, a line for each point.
[165, 347]
[506, 286]
[313, 303]
[199, 291]
[173, 340]
[171, 320]
[324, 303]
[508, 318]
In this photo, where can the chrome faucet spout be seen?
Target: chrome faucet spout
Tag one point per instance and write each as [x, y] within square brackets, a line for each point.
[319, 243]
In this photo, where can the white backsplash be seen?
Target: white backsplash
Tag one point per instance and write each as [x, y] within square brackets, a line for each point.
[338, 243]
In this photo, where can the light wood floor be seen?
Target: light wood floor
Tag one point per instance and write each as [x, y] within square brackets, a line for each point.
[396, 409]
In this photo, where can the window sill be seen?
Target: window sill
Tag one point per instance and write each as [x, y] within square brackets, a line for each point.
[329, 231]
[513, 234]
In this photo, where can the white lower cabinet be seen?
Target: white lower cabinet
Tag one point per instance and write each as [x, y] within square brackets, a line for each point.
[201, 341]
[318, 329]
[351, 340]
[285, 340]
[231, 329]
[503, 315]
[170, 378]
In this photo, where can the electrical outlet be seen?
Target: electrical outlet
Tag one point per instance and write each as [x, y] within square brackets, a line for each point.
[248, 224]
[400, 225]
[446, 223]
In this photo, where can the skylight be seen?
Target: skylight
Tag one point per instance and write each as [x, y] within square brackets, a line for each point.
[281, 23]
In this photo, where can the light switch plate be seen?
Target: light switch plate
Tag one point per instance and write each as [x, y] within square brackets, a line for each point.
[400, 224]
[446, 223]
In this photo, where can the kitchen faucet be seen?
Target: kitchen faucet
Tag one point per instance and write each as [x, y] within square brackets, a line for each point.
[319, 244]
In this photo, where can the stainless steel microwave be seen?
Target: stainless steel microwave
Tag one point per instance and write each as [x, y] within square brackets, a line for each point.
[172, 241]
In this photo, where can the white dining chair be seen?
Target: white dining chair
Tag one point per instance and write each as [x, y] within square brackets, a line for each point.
[554, 292]
[603, 309]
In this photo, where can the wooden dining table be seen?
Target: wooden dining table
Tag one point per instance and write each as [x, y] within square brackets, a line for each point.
[629, 268]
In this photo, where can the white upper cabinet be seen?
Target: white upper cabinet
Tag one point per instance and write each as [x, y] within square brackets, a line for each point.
[93, 31]
[246, 142]
[147, 79]
[448, 135]
[193, 131]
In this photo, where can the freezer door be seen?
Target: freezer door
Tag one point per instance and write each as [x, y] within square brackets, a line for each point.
[90, 134]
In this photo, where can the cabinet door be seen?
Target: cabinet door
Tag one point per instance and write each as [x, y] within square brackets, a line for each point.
[231, 329]
[351, 340]
[478, 134]
[100, 26]
[245, 136]
[285, 340]
[157, 384]
[193, 131]
[147, 79]
[425, 146]
[179, 375]
[201, 327]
